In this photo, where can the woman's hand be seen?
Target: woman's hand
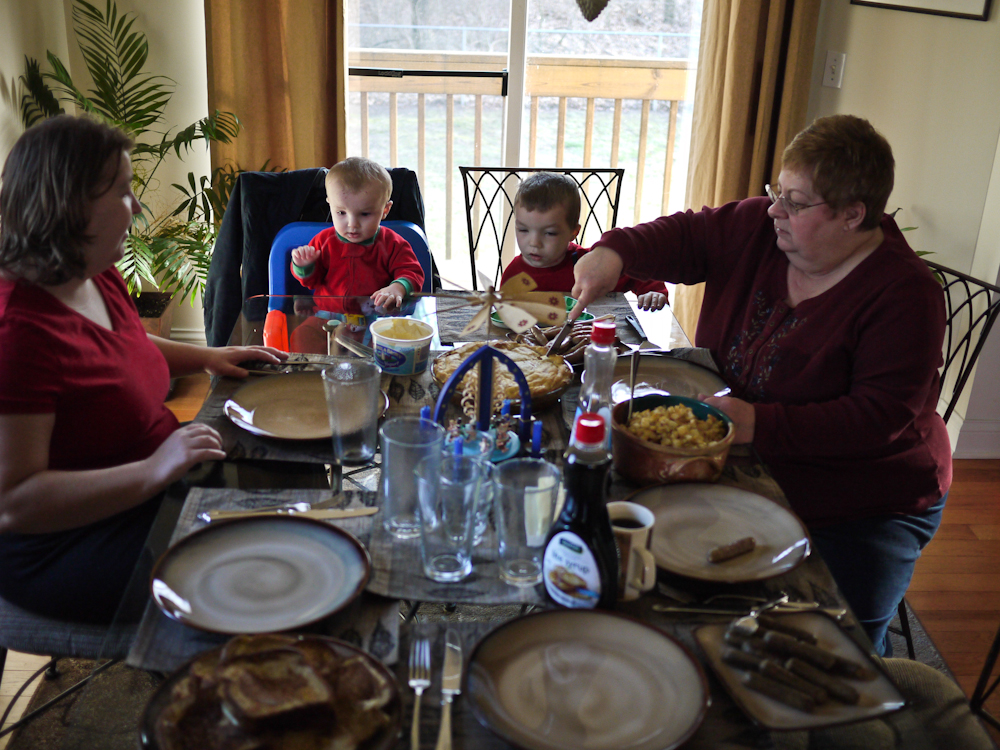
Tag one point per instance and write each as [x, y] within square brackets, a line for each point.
[652, 301]
[225, 360]
[187, 446]
[596, 274]
[741, 412]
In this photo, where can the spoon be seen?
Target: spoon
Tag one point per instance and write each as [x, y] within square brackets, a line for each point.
[632, 373]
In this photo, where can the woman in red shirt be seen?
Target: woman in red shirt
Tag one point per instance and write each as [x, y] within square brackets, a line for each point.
[86, 443]
[829, 330]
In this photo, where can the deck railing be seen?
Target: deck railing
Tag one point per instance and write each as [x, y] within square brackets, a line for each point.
[582, 112]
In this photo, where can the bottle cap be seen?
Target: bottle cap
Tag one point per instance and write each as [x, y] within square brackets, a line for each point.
[590, 428]
[603, 332]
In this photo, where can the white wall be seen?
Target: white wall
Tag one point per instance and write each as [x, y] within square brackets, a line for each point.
[176, 34]
[929, 83]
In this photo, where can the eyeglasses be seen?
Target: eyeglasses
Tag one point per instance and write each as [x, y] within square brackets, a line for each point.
[791, 207]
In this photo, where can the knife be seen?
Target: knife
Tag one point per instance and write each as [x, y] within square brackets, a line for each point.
[632, 321]
[325, 513]
[451, 685]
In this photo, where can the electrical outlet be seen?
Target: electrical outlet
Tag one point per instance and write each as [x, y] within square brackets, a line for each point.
[833, 73]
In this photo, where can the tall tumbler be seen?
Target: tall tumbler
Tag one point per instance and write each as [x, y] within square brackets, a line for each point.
[406, 441]
[353, 402]
[448, 489]
[525, 494]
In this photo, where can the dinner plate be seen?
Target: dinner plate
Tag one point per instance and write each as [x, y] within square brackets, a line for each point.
[570, 679]
[260, 574]
[163, 696]
[878, 696]
[289, 406]
[570, 301]
[693, 519]
[661, 374]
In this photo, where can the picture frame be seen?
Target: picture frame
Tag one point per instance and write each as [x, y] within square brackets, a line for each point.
[973, 10]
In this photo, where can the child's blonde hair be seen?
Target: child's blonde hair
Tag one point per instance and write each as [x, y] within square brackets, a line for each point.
[542, 191]
[357, 173]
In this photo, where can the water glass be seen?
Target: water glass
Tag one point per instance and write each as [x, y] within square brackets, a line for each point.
[448, 489]
[480, 444]
[406, 441]
[353, 402]
[525, 494]
[484, 504]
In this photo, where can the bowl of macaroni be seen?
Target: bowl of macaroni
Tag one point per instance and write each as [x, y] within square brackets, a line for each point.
[402, 345]
[670, 439]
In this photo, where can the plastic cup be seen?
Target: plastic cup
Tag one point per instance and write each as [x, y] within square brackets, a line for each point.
[353, 402]
[448, 489]
[406, 441]
[525, 494]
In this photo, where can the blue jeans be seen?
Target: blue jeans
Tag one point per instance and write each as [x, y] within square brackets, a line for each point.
[872, 561]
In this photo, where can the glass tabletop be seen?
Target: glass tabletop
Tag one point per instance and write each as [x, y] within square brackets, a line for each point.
[311, 325]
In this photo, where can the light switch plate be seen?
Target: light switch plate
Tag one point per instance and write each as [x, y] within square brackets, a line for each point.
[833, 73]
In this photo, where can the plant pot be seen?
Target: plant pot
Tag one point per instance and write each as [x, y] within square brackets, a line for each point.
[156, 310]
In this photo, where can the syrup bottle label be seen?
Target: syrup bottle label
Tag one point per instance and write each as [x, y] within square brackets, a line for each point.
[572, 577]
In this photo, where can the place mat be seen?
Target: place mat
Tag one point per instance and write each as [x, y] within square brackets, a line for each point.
[370, 622]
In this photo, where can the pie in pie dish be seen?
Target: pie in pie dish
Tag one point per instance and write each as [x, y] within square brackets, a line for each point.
[547, 375]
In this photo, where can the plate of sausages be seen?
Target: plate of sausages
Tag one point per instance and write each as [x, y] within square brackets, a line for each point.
[797, 671]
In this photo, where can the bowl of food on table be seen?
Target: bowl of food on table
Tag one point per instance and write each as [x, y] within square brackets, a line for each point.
[669, 439]
[572, 348]
[548, 375]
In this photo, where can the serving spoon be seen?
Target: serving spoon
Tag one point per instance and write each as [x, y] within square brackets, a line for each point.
[633, 372]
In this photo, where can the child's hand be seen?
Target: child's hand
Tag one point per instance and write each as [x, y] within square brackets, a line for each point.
[390, 297]
[304, 256]
[652, 301]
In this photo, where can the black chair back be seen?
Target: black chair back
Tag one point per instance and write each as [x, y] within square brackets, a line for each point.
[972, 307]
[489, 210]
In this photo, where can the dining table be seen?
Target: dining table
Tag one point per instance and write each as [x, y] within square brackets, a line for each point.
[261, 472]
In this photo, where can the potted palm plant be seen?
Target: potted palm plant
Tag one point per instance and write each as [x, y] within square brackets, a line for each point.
[171, 249]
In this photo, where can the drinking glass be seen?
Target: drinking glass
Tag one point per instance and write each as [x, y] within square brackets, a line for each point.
[353, 401]
[525, 494]
[447, 488]
[406, 441]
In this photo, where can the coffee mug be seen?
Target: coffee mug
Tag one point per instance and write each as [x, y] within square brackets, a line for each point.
[632, 525]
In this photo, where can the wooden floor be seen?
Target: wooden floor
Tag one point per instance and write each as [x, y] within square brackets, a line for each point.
[956, 587]
[955, 590]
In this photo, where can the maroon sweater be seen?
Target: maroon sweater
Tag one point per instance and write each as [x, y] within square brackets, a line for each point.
[844, 386]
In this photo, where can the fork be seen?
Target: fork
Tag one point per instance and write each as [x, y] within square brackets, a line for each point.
[420, 680]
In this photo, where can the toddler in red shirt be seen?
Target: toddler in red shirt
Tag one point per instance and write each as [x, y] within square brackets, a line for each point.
[357, 256]
[546, 221]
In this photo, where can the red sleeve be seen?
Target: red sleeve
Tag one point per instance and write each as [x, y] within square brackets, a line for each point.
[688, 247]
[402, 261]
[639, 286]
[31, 374]
[318, 275]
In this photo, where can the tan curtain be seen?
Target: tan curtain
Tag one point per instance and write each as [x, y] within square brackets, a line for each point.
[752, 89]
[281, 67]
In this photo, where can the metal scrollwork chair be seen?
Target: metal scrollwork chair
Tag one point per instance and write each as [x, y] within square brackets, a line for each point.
[971, 307]
[489, 210]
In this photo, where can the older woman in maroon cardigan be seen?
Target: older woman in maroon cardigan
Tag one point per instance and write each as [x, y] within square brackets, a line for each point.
[829, 330]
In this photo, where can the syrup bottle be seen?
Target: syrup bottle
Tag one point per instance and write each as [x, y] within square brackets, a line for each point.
[580, 561]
